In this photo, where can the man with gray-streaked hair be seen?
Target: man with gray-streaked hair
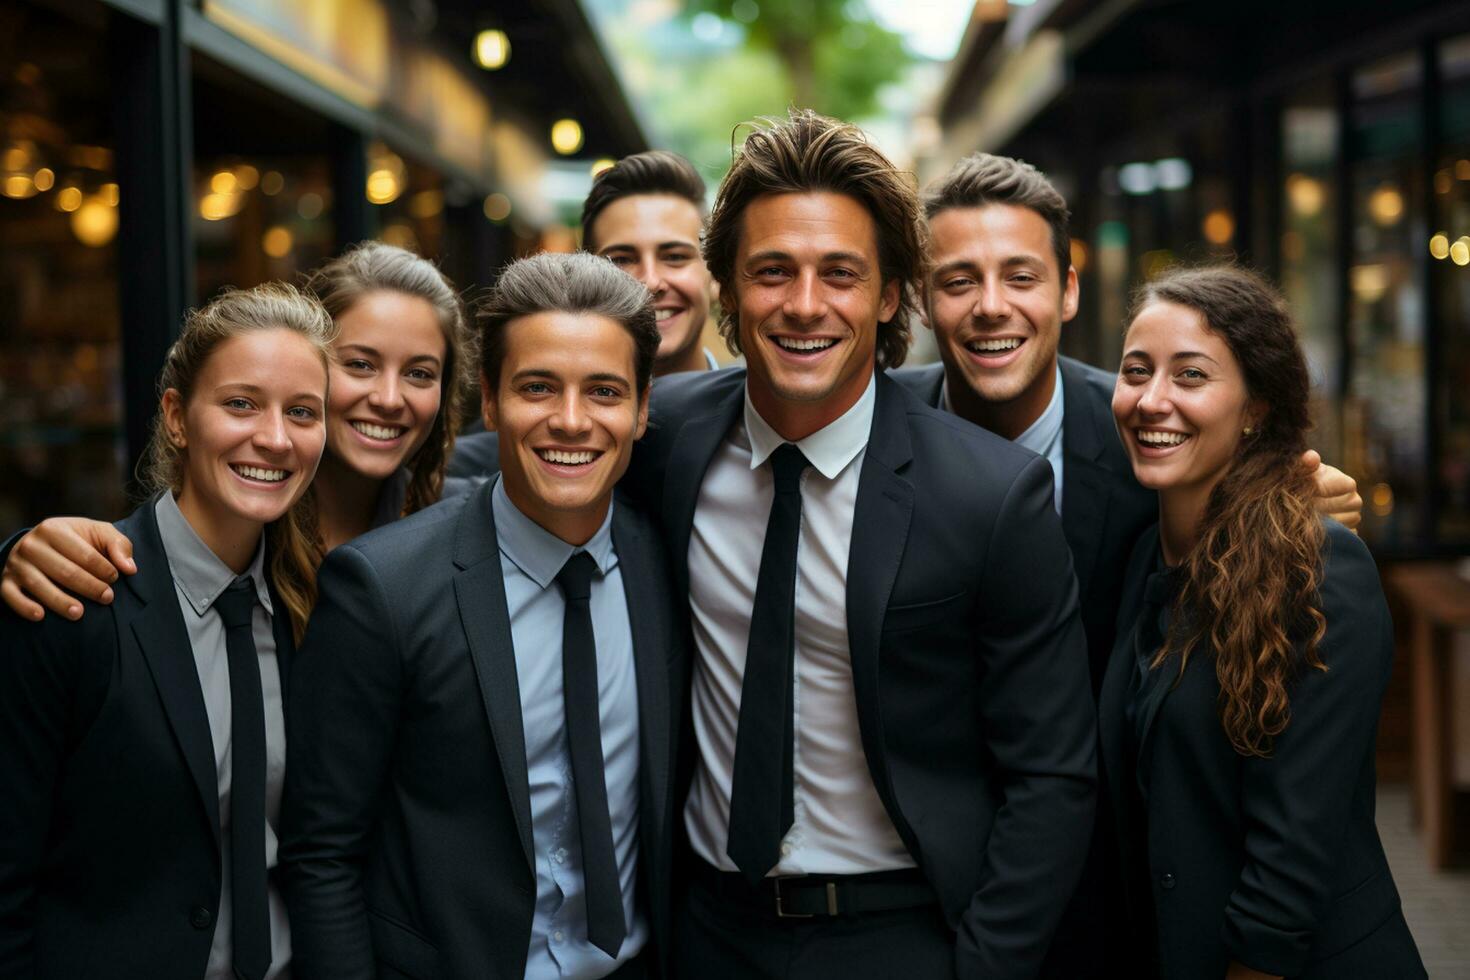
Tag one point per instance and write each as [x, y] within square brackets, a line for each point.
[482, 746]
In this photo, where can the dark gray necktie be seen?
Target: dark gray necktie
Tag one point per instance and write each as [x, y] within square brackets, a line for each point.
[251, 924]
[762, 794]
[606, 927]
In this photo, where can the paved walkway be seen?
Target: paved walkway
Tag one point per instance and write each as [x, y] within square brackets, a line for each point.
[1436, 903]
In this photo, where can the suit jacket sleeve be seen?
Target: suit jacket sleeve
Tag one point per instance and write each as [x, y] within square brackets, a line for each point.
[1296, 802]
[1040, 728]
[342, 723]
[39, 669]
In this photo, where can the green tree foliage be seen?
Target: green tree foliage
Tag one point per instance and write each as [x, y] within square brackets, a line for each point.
[835, 57]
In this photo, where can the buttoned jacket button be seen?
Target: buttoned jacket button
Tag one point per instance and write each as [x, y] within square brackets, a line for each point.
[201, 917]
[1167, 880]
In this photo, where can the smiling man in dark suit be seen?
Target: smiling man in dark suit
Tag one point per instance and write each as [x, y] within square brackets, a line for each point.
[1001, 285]
[479, 783]
[895, 750]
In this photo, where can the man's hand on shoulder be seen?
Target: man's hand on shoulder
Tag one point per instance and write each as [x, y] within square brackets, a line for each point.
[71, 553]
[1337, 493]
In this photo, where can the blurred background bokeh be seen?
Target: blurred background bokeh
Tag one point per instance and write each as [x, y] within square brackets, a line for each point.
[154, 151]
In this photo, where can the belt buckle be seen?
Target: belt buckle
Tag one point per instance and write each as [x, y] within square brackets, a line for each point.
[781, 912]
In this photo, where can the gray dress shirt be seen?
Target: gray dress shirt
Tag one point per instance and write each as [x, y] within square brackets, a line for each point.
[199, 577]
[530, 558]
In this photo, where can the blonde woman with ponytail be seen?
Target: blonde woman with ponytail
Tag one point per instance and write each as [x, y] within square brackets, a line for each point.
[142, 747]
[404, 360]
[1241, 701]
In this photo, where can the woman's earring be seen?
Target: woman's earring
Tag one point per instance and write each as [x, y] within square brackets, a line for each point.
[1246, 431]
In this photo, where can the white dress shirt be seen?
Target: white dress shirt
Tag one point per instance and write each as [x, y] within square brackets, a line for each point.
[199, 578]
[840, 825]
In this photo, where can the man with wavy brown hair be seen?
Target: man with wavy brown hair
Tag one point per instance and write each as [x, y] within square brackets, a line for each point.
[894, 748]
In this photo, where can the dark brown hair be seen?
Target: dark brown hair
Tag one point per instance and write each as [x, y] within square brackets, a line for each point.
[294, 554]
[375, 267]
[807, 152]
[984, 178]
[653, 172]
[570, 283]
[1249, 591]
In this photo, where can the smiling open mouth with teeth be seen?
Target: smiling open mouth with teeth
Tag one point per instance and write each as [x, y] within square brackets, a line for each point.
[383, 432]
[659, 316]
[1151, 438]
[804, 345]
[260, 473]
[564, 457]
[999, 346]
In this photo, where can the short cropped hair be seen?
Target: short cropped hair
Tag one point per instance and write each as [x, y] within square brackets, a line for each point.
[985, 178]
[573, 282]
[652, 172]
[807, 152]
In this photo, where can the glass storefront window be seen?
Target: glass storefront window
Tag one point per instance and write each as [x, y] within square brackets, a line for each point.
[409, 201]
[1310, 130]
[60, 390]
[1449, 252]
[263, 194]
[1384, 407]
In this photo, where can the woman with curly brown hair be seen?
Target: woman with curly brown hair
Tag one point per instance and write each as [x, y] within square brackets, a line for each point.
[1241, 702]
[403, 359]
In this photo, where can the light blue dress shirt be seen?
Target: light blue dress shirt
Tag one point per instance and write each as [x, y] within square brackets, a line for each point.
[530, 558]
[1044, 437]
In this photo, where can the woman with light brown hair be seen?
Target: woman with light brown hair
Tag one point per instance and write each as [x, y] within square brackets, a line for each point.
[403, 362]
[143, 747]
[1240, 706]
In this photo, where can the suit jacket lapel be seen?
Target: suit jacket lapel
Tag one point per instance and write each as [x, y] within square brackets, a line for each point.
[479, 590]
[651, 640]
[157, 627]
[1085, 483]
[694, 447]
[880, 528]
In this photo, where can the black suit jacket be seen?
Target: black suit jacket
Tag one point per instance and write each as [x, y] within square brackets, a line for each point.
[109, 833]
[968, 659]
[1104, 510]
[1276, 861]
[407, 818]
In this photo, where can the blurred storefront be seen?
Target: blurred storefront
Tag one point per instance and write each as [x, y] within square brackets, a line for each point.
[1328, 145]
[155, 151]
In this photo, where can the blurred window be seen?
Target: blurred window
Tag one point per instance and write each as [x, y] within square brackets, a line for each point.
[1449, 251]
[1384, 411]
[408, 199]
[61, 443]
[263, 195]
[1310, 133]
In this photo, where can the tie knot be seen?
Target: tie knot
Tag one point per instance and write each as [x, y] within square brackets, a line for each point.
[236, 603]
[575, 577]
[787, 462]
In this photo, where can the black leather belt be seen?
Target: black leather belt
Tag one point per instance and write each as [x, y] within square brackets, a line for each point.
[810, 896]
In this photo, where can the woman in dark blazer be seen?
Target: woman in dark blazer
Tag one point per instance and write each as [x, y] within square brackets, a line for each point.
[142, 744]
[1241, 702]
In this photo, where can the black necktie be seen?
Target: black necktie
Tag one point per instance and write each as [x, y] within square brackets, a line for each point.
[762, 795]
[606, 928]
[251, 924]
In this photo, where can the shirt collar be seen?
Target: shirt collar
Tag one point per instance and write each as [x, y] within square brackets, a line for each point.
[1044, 432]
[710, 361]
[198, 572]
[830, 448]
[536, 551]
